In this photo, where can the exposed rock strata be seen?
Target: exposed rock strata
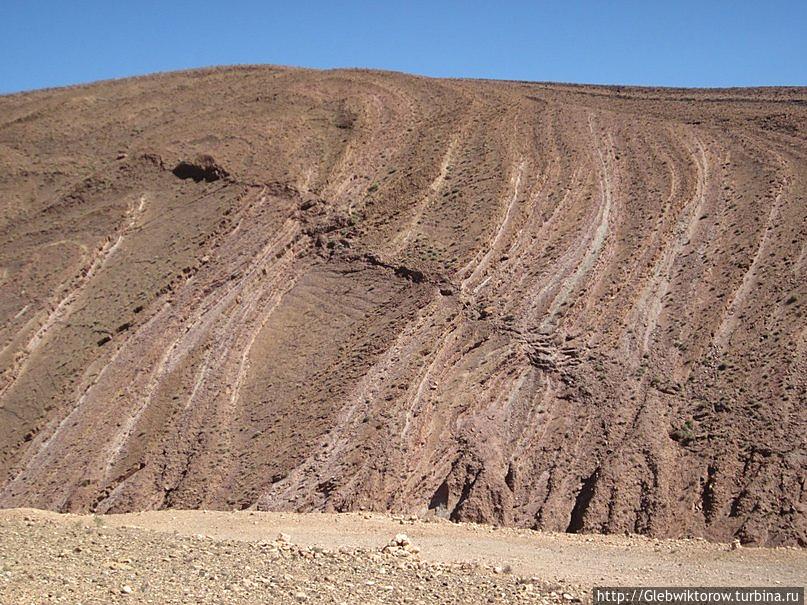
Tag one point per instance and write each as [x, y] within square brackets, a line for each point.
[564, 307]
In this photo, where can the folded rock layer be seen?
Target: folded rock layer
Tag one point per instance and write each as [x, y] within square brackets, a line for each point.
[572, 308]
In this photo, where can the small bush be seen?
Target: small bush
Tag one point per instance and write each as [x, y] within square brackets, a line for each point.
[685, 433]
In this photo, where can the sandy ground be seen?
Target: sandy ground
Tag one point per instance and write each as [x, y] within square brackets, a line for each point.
[586, 560]
[234, 557]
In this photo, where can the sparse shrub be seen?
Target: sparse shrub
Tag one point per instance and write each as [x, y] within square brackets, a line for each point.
[684, 433]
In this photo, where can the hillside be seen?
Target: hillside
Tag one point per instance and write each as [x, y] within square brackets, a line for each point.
[566, 308]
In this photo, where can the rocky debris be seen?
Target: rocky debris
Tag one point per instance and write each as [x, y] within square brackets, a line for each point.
[170, 569]
[400, 546]
[241, 558]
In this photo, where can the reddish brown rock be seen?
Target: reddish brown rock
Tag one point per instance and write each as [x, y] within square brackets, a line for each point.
[564, 307]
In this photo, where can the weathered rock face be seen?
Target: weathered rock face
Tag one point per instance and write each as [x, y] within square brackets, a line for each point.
[572, 308]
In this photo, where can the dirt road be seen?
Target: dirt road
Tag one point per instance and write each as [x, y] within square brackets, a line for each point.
[234, 557]
[585, 560]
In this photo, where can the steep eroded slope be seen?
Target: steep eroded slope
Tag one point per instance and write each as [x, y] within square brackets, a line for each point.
[562, 307]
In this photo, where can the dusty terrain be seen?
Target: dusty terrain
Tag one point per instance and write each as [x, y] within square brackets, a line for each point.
[218, 557]
[566, 308]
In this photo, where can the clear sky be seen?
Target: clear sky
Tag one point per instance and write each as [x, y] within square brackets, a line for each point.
[648, 42]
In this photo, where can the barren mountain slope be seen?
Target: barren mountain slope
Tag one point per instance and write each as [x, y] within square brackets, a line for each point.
[560, 307]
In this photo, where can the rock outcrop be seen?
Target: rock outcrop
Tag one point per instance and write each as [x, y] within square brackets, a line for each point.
[573, 308]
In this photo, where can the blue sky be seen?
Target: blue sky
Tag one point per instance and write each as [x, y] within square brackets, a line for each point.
[649, 42]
